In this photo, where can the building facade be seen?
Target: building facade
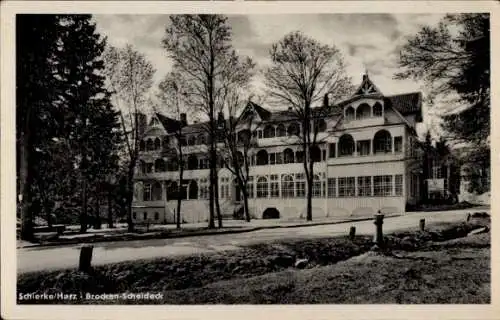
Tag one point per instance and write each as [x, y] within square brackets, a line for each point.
[366, 160]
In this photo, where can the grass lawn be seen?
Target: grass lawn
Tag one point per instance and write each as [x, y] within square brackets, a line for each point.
[436, 266]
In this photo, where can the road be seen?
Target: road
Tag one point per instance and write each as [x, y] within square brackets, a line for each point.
[53, 258]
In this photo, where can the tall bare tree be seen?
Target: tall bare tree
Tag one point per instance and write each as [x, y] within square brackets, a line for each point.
[170, 93]
[130, 78]
[200, 47]
[303, 72]
[239, 145]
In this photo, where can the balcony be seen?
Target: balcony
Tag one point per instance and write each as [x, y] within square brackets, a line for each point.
[365, 122]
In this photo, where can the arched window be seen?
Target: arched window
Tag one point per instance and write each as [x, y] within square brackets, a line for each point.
[142, 145]
[262, 187]
[346, 145]
[363, 111]
[287, 187]
[192, 162]
[191, 141]
[262, 158]
[159, 165]
[315, 154]
[156, 191]
[201, 139]
[321, 125]
[382, 142]
[280, 130]
[377, 110]
[293, 129]
[350, 114]
[138, 190]
[166, 142]
[157, 144]
[193, 190]
[269, 131]
[149, 145]
[288, 156]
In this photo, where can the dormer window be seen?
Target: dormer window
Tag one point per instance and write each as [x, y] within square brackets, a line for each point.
[155, 122]
[363, 111]
[377, 110]
[349, 114]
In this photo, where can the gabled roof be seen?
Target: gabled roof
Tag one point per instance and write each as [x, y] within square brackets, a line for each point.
[367, 87]
[407, 103]
[170, 125]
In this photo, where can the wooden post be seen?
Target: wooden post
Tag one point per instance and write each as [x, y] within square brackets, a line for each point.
[379, 235]
[352, 232]
[422, 224]
[469, 216]
[85, 258]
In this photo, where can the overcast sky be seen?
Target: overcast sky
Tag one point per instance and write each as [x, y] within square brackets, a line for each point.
[370, 40]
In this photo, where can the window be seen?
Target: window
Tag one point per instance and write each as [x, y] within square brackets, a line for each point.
[166, 142]
[365, 186]
[300, 186]
[145, 216]
[159, 165]
[156, 191]
[346, 145]
[149, 145]
[191, 141]
[332, 187]
[193, 190]
[272, 158]
[382, 185]
[204, 164]
[321, 125]
[280, 130]
[250, 188]
[157, 216]
[316, 187]
[364, 147]
[377, 110]
[293, 129]
[201, 139]
[203, 188]
[382, 142]
[289, 157]
[346, 187]
[147, 192]
[349, 114]
[275, 186]
[157, 144]
[287, 188]
[269, 131]
[142, 145]
[300, 157]
[279, 158]
[260, 134]
[134, 215]
[398, 184]
[262, 158]
[315, 154]
[363, 111]
[192, 163]
[149, 167]
[332, 150]
[262, 187]
[398, 144]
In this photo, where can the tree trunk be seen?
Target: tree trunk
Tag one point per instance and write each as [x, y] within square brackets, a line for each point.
[83, 212]
[217, 202]
[309, 202]
[97, 221]
[179, 194]
[110, 211]
[245, 206]
[213, 164]
[130, 196]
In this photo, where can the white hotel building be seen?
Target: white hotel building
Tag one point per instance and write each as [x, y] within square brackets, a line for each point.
[367, 161]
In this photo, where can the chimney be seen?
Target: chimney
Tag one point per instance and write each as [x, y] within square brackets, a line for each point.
[325, 100]
[183, 119]
[365, 76]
